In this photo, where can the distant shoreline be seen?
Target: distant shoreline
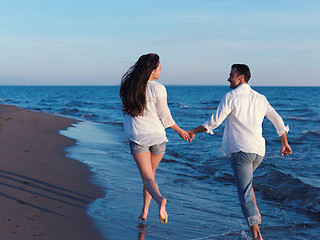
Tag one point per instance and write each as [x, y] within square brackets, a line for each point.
[169, 85]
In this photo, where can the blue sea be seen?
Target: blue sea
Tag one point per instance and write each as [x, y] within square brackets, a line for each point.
[196, 178]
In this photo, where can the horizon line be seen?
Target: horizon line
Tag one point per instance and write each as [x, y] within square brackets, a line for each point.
[173, 85]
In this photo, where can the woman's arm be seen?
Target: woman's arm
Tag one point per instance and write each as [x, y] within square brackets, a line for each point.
[165, 114]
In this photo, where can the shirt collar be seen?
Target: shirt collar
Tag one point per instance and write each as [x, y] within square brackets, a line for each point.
[243, 86]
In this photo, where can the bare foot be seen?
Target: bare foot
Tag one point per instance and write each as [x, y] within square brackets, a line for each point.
[163, 215]
[258, 238]
[256, 235]
[143, 215]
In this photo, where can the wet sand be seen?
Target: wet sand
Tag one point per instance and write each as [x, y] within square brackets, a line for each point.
[43, 194]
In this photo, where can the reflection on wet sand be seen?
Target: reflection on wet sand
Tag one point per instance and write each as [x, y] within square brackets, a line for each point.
[142, 230]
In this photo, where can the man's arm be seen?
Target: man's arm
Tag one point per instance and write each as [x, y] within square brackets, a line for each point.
[223, 110]
[277, 121]
[285, 147]
[282, 130]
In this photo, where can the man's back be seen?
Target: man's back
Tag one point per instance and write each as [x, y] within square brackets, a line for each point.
[243, 130]
[244, 110]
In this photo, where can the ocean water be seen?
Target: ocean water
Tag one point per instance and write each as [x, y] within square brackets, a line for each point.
[195, 178]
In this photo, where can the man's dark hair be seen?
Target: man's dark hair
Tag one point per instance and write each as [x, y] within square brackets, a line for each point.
[243, 69]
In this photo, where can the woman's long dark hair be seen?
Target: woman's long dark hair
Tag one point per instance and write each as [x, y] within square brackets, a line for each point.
[134, 84]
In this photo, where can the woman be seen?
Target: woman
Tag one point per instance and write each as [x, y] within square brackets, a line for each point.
[146, 117]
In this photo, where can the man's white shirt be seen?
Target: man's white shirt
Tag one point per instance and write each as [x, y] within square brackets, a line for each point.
[244, 110]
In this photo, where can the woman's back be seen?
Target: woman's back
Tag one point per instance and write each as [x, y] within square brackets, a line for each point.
[149, 128]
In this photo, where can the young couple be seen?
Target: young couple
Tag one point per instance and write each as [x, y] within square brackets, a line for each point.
[146, 115]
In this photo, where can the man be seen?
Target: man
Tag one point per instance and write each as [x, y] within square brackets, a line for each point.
[244, 110]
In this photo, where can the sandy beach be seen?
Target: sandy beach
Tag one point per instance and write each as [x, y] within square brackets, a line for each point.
[43, 194]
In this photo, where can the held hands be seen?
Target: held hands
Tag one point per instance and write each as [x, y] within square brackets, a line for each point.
[184, 135]
[191, 135]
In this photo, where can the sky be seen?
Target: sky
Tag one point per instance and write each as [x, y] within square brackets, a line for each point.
[94, 42]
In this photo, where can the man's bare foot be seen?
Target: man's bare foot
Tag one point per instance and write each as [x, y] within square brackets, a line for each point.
[258, 238]
[163, 215]
[143, 215]
[256, 235]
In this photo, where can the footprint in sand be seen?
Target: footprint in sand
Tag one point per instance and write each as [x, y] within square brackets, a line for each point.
[6, 219]
[27, 183]
[20, 202]
[33, 217]
[36, 234]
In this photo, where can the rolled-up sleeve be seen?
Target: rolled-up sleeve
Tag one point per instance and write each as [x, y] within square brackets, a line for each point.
[276, 120]
[219, 116]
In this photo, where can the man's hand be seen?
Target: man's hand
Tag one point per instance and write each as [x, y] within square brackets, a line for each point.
[285, 147]
[191, 135]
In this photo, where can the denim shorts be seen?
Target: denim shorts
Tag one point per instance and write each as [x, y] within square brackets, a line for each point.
[157, 149]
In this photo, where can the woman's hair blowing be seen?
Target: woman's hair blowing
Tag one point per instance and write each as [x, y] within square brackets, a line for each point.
[134, 84]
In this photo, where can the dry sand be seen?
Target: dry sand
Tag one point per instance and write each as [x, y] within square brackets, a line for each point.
[43, 194]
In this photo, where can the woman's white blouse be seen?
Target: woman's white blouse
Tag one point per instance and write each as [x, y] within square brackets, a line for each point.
[149, 129]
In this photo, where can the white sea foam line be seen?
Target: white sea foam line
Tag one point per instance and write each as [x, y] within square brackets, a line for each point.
[80, 132]
[243, 234]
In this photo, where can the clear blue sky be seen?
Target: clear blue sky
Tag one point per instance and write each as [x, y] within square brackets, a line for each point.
[93, 42]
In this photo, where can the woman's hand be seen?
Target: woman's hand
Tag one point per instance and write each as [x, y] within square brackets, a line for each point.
[184, 135]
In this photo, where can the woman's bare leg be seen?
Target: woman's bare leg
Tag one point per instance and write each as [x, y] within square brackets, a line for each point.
[146, 202]
[147, 165]
[155, 160]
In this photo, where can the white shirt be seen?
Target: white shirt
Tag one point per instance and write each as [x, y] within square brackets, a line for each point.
[245, 110]
[149, 129]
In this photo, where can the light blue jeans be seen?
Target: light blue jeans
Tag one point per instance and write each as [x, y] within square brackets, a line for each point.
[243, 164]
